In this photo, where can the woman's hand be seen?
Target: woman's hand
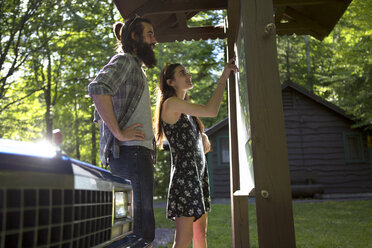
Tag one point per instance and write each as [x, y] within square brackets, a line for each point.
[206, 143]
[229, 67]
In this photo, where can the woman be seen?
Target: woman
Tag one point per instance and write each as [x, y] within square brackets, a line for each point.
[177, 119]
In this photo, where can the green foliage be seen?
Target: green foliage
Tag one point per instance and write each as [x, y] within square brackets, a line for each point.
[208, 18]
[353, 43]
[162, 174]
[17, 40]
[340, 64]
[56, 74]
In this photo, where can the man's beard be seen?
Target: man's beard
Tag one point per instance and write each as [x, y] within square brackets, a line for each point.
[146, 54]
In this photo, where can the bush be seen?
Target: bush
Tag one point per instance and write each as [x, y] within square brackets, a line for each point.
[162, 174]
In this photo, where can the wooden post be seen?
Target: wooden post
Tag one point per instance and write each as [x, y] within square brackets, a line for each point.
[239, 202]
[270, 157]
[369, 147]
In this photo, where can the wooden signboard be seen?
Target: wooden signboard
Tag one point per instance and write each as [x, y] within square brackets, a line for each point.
[258, 145]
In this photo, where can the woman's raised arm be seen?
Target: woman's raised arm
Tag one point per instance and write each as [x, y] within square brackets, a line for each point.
[176, 105]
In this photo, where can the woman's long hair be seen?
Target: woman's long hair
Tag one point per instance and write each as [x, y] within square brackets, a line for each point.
[164, 92]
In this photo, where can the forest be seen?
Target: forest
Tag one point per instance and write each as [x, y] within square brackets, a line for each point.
[51, 50]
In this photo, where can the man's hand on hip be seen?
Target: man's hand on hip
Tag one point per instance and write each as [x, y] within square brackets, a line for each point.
[132, 133]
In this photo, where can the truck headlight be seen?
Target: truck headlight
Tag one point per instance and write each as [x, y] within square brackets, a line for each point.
[123, 201]
[122, 216]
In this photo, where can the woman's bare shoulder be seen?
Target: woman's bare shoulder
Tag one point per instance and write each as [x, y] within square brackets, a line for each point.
[168, 115]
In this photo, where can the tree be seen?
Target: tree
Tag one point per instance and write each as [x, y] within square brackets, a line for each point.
[340, 64]
[55, 67]
[353, 62]
[88, 30]
[17, 43]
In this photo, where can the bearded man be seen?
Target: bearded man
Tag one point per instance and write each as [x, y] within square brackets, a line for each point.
[121, 96]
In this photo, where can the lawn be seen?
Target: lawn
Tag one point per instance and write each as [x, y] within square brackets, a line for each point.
[328, 224]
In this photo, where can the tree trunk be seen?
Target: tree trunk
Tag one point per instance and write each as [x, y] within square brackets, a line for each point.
[287, 52]
[310, 83]
[94, 142]
[76, 127]
[48, 100]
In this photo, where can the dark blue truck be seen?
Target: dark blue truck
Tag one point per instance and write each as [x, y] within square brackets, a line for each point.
[50, 200]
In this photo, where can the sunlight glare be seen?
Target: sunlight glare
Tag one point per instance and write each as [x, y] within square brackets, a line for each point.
[41, 148]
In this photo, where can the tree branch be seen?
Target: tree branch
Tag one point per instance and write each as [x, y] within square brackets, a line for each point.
[19, 99]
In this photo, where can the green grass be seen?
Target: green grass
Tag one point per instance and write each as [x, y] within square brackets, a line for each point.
[329, 224]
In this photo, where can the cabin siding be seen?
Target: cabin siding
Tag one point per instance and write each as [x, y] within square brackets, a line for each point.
[221, 173]
[316, 148]
[315, 141]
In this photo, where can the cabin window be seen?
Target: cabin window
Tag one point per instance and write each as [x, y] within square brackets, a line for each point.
[224, 153]
[353, 147]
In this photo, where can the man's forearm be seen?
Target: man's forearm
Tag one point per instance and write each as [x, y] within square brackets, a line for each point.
[105, 109]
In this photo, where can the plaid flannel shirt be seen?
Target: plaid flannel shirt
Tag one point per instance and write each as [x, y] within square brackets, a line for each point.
[123, 79]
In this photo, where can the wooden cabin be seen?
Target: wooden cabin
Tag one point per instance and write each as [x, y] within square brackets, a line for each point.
[326, 155]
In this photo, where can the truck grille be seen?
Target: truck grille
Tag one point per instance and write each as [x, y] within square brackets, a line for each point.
[54, 217]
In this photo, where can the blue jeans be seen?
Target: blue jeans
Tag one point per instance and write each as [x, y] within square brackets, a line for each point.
[135, 164]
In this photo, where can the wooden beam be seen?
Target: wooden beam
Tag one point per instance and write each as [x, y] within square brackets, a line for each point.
[296, 28]
[189, 15]
[305, 2]
[163, 21]
[195, 33]
[289, 26]
[279, 11]
[162, 7]
[239, 203]
[270, 156]
[241, 233]
[306, 21]
[169, 20]
[181, 21]
[180, 31]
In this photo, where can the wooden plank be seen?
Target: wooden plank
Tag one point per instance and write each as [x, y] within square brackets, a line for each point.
[222, 177]
[271, 172]
[167, 21]
[298, 29]
[327, 170]
[305, 2]
[157, 7]
[168, 29]
[181, 21]
[279, 11]
[222, 183]
[306, 20]
[369, 145]
[241, 233]
[195, 33]
[239, 207]
[164, 7]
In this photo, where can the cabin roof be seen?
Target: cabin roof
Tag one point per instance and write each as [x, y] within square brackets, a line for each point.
[318, 99]
[290, 85]
[169, 17]
[219, 125]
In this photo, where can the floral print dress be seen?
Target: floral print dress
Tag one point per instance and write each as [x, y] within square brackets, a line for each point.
[188, 193]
